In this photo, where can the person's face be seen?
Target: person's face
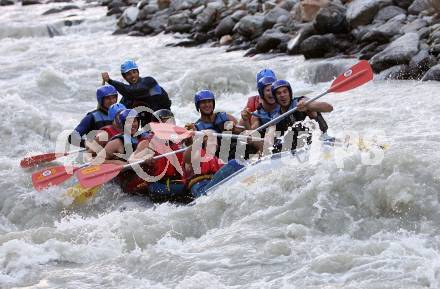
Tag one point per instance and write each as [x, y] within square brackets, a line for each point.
[131, 76]
[206, 106]
[268, 97]
[109, 100]
[283, 96]
[134, 126]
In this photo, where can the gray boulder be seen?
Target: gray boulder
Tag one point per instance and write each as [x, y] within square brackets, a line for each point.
[30, 2]
[178, 5]
[414, 26]
[237, 15]
[391, 28]
[272, 17]
[362, 12]
[331, 19]
[317, 46]
[376, 36]
[421, 63]
[147, 11]
[159, 20]
[432, 74]
[206, 19]
[271, 39]
[61, 9]
[388, 12]
[400, 51]
[128, 17]
[180, 22]
[293, 46]
[418, 6]
[6, 2]
[225, 26]
[250, 26]
[399, 72]
[403, 3]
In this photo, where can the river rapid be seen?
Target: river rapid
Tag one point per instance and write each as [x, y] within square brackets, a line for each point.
[285, 225]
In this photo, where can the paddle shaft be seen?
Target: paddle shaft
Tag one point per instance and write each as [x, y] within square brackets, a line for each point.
[287, 113]
[229, 135]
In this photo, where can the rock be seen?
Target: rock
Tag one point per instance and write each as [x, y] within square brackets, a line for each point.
[293, 46]
[403, 3]
[242, 46]
[206, 19]
[253, 6]
[160, 20]
[30, 2]
[145, 27]
[317, 46]
[391, 28]
[225, 40]
[424, 32]
[147, 11]
[288, 4]
[420, 63]
[432, 74]
[435, 49]
[225, 27]
[271, 39]
[237, 15]
[362, 12]
[128, 17]
[414, 26]
[376, 36]
[163, 4]
[388, 12]
[269, 5]
[120, 31]
[250, 26]
[135, 33]
[141, 4]
[6, 2]
[399, 72]
[116, 4]
[309, 8]
[368, 51]
[272, 16]
[69, 22]
[177, 5]
[331, 19]
[198, 10]
[400, 51]
[58, 10]
[418, 6]
[180, 22]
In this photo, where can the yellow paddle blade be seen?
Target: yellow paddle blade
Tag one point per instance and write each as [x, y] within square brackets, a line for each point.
[80, 194]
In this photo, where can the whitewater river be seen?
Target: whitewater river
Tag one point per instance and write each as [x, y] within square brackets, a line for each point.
[286, 225]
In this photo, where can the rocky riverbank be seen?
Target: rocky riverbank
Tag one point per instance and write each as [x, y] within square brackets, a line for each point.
[400, 38]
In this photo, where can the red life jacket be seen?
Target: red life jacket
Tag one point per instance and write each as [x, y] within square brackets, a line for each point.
[164, 164]
[209, 167]
[253, 103]
[110, 130]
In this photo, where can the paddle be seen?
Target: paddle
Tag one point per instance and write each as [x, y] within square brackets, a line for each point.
[98, 174]
[357, 75]
[53, 176]
[80, 194]
[29, 162]
[176, 133]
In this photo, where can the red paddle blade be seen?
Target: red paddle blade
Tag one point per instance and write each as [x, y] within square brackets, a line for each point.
[169, 131]
[35, 160]
[51, 177]
[96, 175]
[357, 75]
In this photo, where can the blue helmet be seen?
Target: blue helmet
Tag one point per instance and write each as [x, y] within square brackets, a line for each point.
[128, 65]
[281, 83]
[126, 114]
[114, 109]
[105, 91]
[263, 82]
[203, 95]
[264, 73]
